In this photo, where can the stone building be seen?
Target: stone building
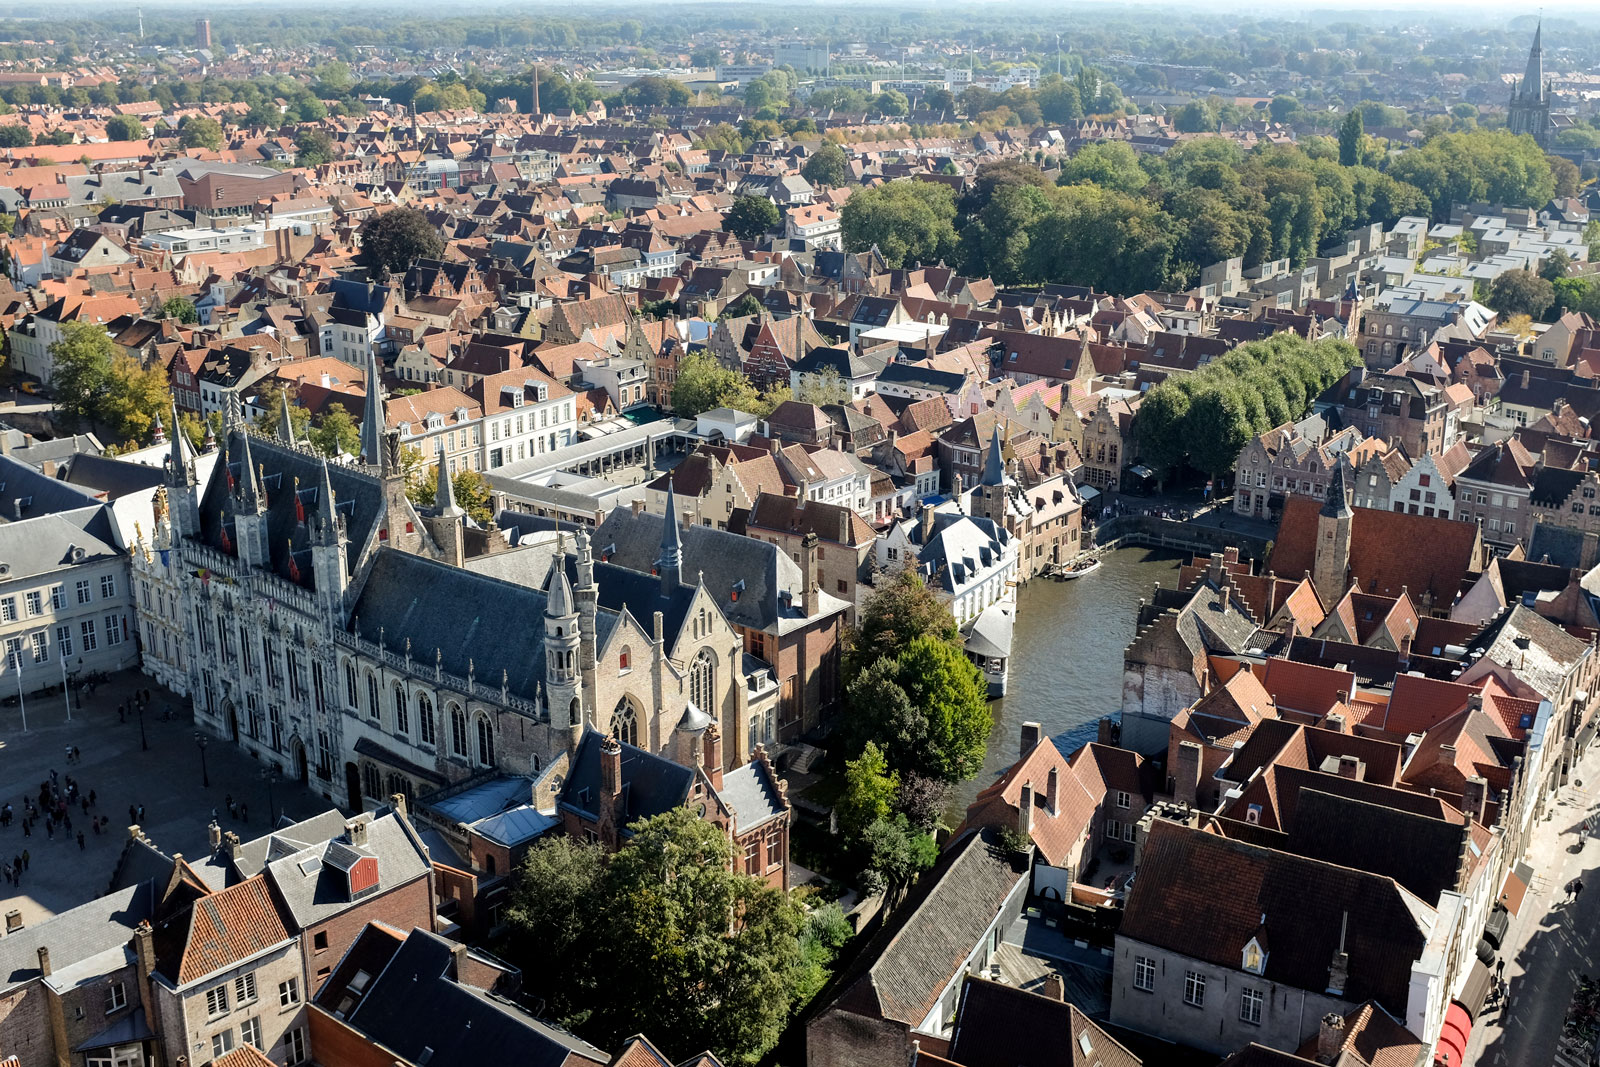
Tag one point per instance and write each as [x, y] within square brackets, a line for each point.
[1529, 109]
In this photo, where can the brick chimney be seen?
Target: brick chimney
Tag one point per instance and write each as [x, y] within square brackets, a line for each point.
[609, 807]
[44, 961]
[230, 841]
[811, 602]
[1350, 767]
[1032, 734]
[356, 831]
[1330, 1037]
[1339, 967]
[1405, 651]
[1052, 791]
[144, 951]
[926, 522]
[1053, 987]
[713, 748]
[1186, 775]
[1334, 722]
[1025, 809]
[1475, 797]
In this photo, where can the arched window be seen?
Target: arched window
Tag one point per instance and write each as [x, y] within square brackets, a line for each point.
[576, 713]
[625, 659]
[425, 719]
[702, 682]
[458, 730]
[488, 864]
[402, 717]
[352, 694]
[625, 722]
[372, 780]
[485, 741]
[372, 696]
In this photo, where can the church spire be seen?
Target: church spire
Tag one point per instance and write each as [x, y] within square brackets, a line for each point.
[994, 466]
[444, 494]
[181, 460]
[372, 416]
[1337, 504]
[285, 421]
[327, 528]
[1533, 77]
[670, 563]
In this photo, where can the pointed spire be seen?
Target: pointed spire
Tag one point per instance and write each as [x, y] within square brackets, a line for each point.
[1337, 504]
[285, 422]
[327, 522]
[670, 562]
[444, 494]
[248, 485]
[232, 415]
[372, 418]
[1533, 77]
[158, 436]
[181, 455]
[560, 603]
[208, 444]
[994, 466]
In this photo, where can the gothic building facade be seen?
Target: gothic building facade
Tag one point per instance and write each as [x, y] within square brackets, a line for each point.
[1529, 109]
[328, 628]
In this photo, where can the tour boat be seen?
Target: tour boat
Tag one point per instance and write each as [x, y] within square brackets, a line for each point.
[1079, 567]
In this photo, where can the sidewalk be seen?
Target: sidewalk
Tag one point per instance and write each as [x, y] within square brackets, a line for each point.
[1549, 944]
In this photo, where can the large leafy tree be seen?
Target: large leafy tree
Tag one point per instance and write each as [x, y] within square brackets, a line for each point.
[98, 384]
[1521, 292]
[870, 789]
[393, 241]
[909, 221]
[197, 131]
[125, 128]
[663, 938]
[471, 492]
[900, 611]
[703, 384]
[751, 217]
[337, 431]
[940, 680]
[1352, 138]
[313, 147]
[827, 166]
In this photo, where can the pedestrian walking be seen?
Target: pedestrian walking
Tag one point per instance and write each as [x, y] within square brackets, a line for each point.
[27, 828]
[26, 859]
[1500, 967]
[7, 870]
[133, 814]
[84, 803]
[141, 813]
[91, 798]
[244, 812]
[77, 754]
[80, 840]
[122, 713]
[1577, 888]
[49, 828]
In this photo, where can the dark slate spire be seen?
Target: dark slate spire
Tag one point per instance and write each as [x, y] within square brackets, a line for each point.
[670, 563]
[285, 422]
[327, 521]
[1337, 504]
[994, 465]
[372, 416]
[444, 494]
[1533, 77]
[182, 456]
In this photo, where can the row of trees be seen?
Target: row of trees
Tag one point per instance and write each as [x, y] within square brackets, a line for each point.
[703, 384]
[1124, 222]
[919, 722]
[665, 938]
[1205, 419]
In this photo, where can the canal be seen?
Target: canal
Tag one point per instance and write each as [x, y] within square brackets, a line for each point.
[1066, 658]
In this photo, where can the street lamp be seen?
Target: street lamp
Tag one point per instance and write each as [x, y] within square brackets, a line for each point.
[77, 684]
[202, 741]
[144, 742]
[267, 775]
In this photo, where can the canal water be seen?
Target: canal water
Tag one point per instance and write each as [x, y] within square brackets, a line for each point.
[1066, 656]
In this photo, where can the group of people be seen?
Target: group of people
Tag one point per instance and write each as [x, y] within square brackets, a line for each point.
[53, 810]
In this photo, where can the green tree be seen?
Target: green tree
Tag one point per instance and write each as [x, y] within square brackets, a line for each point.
[1109, 164]
[12, 136]
[950, 691]
[908, 221]
[1521, 292]
[98, 384]
[471, 492]
[703, 384]
[335, 433]
[393, 241]
[891, 103]
[1160, 428]
[870, 788]
[1352, 138]
[750, 217]
[827, 167]
[125, 128]
[180, 308]
[664, 938]
[747, 304]
[1218, 427]
[900, 611]
[198, 131]
[1555, 267]
[313, 147]
[897, 855]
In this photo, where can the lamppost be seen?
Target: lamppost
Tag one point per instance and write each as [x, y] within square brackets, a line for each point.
[77, 684]
[144, 742]
[202, 741]
[267, 776]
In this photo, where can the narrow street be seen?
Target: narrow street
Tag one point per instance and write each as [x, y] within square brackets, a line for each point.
[1550, 944]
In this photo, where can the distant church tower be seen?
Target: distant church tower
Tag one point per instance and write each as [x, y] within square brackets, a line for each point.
[1529, 111]
[1331, 566]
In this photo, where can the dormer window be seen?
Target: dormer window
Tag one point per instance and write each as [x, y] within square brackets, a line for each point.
[1255, 960]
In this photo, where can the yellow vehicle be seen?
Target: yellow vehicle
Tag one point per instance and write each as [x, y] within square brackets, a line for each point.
[33, 388]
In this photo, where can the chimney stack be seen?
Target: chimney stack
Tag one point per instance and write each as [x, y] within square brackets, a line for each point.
[44, 961]
[1032, 734]
[926, 517]
[1475, 797]
[230, 841]
[713, 749]
[1053, 988]
[1339, 968]
[397, 801]
[1350, 767]
[609, 807]
[1052, 791]
[1334, 722]
[1186, 775]
[356, 831]
[811, 602]
[1330, 1038]
[1025, 809]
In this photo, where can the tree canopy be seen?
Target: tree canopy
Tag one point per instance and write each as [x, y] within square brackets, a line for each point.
[663, 938]
[908, 221]
[828, 166]
[97, 384]
[393, 241]
[125, 128]
[1521, 292]
[198, 131]
[751, 217]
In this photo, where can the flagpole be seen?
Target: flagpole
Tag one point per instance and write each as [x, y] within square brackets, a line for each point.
[66, 696]
[20, 702]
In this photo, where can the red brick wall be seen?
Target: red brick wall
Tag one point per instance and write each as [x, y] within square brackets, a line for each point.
[334, 1042]
[405, 907]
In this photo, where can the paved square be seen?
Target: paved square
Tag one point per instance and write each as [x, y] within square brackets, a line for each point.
[166, 779]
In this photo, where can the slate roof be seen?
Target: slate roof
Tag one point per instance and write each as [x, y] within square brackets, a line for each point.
[929, 937]
[101, 925]
[1204, 896]
[752, 795]
[45, 544]
[313, 892]
[1419, 852]
[651, 784]
[1003, 1026]
[357, 496]
[416, 1009]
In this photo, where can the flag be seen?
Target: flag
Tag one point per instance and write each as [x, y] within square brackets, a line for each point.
[205, 576]
[166, 556]
[294, 570]
[227, 542]
[299, 509]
